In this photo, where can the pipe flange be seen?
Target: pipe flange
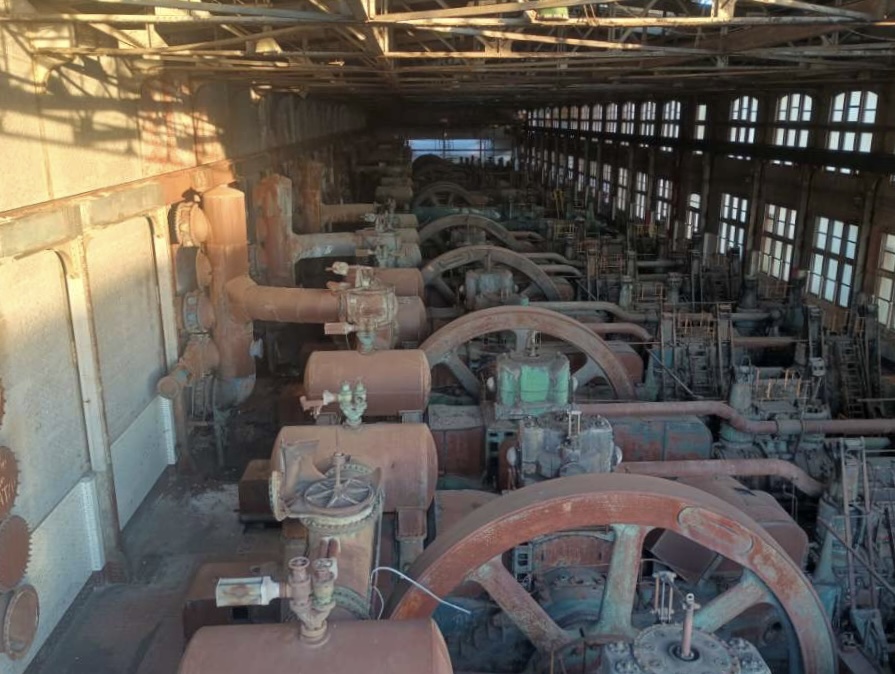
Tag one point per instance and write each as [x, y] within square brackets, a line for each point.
[197, 313]
[191, 227]
[9, 480]
[15, 550]
[20, 614]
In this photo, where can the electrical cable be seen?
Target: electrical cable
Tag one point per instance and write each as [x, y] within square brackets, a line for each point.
[417, 585]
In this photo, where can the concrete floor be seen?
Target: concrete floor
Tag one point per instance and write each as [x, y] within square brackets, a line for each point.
[135, 627]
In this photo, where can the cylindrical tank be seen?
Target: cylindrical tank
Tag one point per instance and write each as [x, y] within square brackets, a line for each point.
[372, 647]
[413, 323]
[396, 381]
[407, 282]
[405, 453]
[227, 249]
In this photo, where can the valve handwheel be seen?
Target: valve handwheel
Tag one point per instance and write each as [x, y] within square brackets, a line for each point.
[632, 506]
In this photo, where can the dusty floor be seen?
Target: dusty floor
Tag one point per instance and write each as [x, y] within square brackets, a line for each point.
[135, 627]
[188, 519]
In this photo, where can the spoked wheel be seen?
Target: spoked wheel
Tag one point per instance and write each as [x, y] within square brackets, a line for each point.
[538, 280]
[631, 507]
[443, 194]
[469, 221]
[443, 347]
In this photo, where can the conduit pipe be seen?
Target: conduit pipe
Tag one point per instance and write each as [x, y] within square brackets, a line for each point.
[642, 316]
[731, 467]
[630, 329]
[741, 423]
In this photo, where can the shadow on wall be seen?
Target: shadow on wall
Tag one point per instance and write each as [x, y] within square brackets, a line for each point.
[95, 122]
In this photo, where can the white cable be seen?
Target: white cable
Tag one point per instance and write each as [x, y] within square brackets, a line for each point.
[417, 585]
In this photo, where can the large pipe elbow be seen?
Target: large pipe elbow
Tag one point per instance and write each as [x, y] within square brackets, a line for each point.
[199, 357]
[251, 302]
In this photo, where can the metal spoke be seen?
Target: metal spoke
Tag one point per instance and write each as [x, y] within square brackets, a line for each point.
[520, 607]
[621, 583]
[522, 338]
[529, 289]
[443, 289]
[748, 592]
[587, 372]
[463, 374]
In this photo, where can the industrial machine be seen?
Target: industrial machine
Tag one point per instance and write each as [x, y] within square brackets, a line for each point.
[607, 457]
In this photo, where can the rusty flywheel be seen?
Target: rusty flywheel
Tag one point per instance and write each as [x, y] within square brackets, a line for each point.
[9, 480]
[631, 506]
[442, 346]
[15, 549]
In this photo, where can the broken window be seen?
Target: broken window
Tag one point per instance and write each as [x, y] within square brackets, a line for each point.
[734, 215]
[641, 180]
[852, 116]
[792, 116]
[702, 111]
[693, 215]
[778, 238]
[743, 122]
[671, 122]
[833, 261]
[885, 282]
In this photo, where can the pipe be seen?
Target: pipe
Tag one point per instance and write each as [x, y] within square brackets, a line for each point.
[741, 423]
[249, 301]
[640, 317]
[199, 357]
[731, 467]
[631, 329]
[306, 246]
[228, 251]
[763, 342]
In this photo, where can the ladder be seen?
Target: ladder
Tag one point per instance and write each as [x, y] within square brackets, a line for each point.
[850, 378]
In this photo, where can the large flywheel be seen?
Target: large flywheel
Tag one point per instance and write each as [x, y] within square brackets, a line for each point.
[469, 221]
[630, 507]
[442, 347]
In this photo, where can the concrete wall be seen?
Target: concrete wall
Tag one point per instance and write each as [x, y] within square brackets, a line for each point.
[93, 158]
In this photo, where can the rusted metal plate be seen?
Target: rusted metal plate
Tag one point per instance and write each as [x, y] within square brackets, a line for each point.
[633, 506]
[15, 550]
[9, 480]
[459, 433]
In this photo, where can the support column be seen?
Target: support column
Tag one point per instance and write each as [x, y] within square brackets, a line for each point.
[100, 449]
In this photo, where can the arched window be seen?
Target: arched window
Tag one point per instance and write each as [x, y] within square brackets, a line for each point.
[743, 121]
[629, 115]
[671, 121]
[648, 118]
[612, 118]
[792, 117]
[852, 117]
[596, 118]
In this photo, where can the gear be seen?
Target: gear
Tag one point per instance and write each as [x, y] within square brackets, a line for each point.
[19, 617]
[15, 550]
[9, 479]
